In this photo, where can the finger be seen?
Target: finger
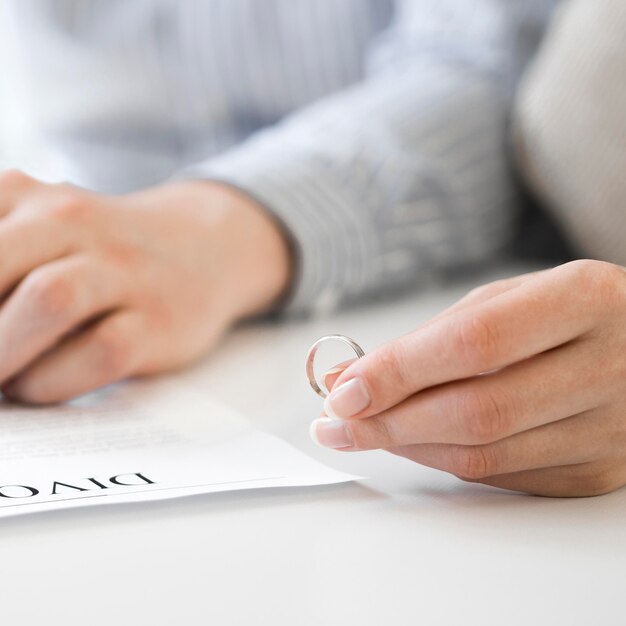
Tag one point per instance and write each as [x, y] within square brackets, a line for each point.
[480, 294]
[27, 243]
[572, 481]
[14, 185]
[538, 315]
[52, 301]
[579, 439]
[488, 291]
[484, 409]
[104, 353]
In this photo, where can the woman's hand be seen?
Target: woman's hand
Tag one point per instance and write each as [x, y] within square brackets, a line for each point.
[98, 288]
[520, 385]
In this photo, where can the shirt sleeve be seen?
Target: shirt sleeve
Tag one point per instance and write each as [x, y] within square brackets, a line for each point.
[405, 173]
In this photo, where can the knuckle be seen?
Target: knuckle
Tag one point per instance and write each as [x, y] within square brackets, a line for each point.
[373, 432]
[483, 415]
[124, 255]
[70, 207]
[50, 296]
[13, 178]
[114, 350]
[487, 291]
[599, 279]
[595, 482]
[478, 292]
[361, 440]
[477, 341]
[473, 463]
[583, 269]
[609, 282]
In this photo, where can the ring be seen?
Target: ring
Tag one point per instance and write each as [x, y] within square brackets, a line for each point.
[310, 359]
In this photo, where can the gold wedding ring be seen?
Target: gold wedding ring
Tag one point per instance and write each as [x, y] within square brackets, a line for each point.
[310, 359]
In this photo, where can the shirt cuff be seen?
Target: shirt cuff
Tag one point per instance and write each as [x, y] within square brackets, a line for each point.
[335, 250]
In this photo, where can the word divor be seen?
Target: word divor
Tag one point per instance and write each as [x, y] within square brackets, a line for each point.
[57, 488]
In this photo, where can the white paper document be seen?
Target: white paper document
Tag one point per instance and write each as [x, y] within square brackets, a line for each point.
[140, 441]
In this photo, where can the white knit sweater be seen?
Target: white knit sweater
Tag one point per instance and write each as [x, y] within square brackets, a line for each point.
[571, 125]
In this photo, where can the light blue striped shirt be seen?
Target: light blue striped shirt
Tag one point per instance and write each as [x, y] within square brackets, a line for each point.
[374, 130]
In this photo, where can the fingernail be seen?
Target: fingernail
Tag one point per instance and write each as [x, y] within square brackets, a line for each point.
[347, 399]
[331, 433]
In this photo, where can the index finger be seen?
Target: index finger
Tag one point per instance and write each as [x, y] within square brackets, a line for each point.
[476, 296]
[538, 315]
[13, 186]
[26, 244]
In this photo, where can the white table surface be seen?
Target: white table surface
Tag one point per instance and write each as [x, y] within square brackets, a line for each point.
[407, 546]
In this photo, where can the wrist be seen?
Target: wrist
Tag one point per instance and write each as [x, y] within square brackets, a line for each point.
[258, 258]
[243, 249]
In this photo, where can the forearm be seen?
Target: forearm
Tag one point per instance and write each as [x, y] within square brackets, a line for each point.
[405, 173]
[384, 184]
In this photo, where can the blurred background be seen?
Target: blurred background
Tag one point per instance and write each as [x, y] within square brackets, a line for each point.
[17, 145]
